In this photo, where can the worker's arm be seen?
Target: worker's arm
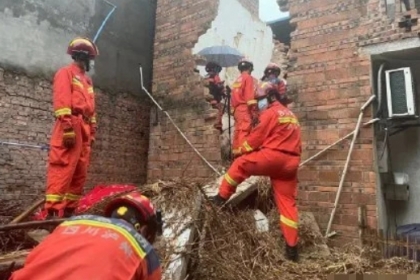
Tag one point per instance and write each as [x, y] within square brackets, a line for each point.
[249, 91]
[62, 93]
[257, 136]
[149, 268]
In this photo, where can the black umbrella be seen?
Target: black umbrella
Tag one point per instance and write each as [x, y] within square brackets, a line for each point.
[225, 56]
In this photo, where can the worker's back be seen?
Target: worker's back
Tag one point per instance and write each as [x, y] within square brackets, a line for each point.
[279, 130]
[92, 247]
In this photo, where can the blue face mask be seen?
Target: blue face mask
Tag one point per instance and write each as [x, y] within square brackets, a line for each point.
[262, 104]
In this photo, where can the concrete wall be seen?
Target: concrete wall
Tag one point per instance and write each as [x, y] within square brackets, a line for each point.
[35, 35]
[403, 149]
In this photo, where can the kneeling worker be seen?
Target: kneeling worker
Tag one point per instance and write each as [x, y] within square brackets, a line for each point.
[272, 149]
[94, 247]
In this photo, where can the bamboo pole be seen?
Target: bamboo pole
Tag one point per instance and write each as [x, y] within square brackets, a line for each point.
[32, 224]
[28, 211]
[346, 166]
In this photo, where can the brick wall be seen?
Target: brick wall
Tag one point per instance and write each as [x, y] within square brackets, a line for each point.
[252, 6]
[333, 81]
[179, 90]
[120, 154]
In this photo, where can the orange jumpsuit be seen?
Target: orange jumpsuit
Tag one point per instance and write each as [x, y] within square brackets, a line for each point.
[243, 105]
[74, 107]
[272, 149]
[92, 247]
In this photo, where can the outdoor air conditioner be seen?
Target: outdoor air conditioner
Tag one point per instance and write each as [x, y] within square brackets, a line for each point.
[400, 93]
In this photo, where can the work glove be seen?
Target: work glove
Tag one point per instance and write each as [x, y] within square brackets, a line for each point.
[253, 110]
[237, 152]
[69, 138]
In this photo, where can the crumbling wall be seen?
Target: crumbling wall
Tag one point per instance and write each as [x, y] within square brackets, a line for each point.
[252, 6]
[119, 155]
[179, 24]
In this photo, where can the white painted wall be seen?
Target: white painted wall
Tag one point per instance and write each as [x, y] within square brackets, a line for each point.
[234, 26]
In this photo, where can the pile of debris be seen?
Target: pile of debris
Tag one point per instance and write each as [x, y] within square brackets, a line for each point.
[201, 242]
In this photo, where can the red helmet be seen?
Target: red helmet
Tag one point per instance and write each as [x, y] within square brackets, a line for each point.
[264, 88]
[272, 68]
[83, 45]
[136, 200]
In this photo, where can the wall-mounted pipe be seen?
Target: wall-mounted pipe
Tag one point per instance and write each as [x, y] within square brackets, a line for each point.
[105, 20]
[379, 89]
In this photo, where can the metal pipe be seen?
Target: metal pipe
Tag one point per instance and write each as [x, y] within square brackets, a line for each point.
[346, 166]
[105, 20]
[42, 147]
[379, 88]
[174, 124]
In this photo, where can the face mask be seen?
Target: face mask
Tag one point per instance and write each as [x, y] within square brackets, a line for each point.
[91, 65]
[262, 104]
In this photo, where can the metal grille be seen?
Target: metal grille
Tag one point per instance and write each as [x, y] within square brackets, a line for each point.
[398, 95]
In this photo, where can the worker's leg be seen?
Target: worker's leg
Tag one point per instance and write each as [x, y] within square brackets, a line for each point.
[259, 163]
[242, 125]
[218, 125]
[61, 166]
[285, 192]
[75, 191]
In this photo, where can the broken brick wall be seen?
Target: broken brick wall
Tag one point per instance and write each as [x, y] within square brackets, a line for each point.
[252, 6]
[333, 77]
[179, 90]
[119, 155]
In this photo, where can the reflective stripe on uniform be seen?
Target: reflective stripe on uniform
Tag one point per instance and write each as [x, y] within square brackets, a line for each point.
[90, 89]
[140, 252]
[54, 197]
[62, 112]
[247, 147]
[284, 120]
[288, 222]
[236, 85]
[69, 134]
[251, 102]
[70, 196]
[76, 82]
[92, 120]
[230, 180]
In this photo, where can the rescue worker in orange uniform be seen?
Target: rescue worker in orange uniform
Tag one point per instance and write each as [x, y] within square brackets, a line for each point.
[217, 91]
[271, 74]
[118, 247]
[73, 132]
[243, 103]
[272, 149]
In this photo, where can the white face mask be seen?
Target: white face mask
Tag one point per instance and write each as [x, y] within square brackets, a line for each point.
[262, 104]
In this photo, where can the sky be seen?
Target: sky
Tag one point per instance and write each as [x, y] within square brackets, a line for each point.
[269, 10]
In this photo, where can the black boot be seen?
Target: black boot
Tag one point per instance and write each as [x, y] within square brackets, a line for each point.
[217, 200]
[292, 253]
[52, 214]
[68, 212]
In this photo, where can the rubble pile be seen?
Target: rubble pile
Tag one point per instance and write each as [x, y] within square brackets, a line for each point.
[228, 246]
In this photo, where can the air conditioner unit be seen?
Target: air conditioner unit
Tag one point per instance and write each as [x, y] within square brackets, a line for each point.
[400, 92]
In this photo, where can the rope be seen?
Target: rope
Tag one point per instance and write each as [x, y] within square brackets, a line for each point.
[177, 128]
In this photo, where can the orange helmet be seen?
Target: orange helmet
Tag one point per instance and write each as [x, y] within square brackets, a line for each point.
[272, 68]
[245, 64]
[83, 45]
[145, 209]
[264, 88]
